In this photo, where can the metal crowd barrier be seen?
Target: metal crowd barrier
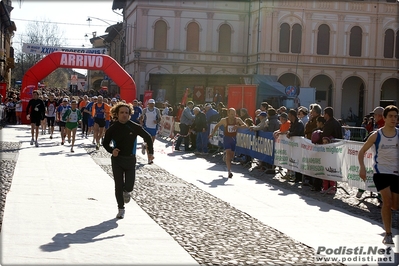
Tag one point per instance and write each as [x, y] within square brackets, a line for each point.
[356, 133]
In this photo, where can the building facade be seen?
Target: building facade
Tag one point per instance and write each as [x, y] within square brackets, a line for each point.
[7, 29]
[347, 50]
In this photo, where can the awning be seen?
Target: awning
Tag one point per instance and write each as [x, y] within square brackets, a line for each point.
[118, 4]
[268, 86]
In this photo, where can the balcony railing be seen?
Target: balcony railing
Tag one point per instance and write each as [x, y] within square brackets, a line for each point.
[242, 59]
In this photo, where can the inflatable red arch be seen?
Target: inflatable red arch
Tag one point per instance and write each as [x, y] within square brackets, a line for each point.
[75, 60]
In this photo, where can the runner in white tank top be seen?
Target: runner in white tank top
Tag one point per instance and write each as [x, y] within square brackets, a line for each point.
[386, 164]
[386, 153]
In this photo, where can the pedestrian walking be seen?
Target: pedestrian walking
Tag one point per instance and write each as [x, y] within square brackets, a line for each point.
[123, 135]
[386, 168]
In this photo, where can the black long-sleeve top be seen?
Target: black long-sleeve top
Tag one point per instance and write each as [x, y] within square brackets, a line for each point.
[36, 108]
[297, 128]
[332, 128]
[124, 137]
[199, 124]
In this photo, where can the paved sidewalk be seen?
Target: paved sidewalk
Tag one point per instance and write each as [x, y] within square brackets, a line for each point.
[61, 210]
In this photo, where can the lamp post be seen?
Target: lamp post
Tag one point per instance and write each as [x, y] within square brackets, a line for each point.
[121, 36]
[119, 29]
[137, 55]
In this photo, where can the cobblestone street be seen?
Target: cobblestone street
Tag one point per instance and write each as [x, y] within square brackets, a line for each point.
[210, 229]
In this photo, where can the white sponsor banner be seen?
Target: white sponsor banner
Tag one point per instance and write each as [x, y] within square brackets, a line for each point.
[336, 161]
[31, 48]
[352, 167]
[166, 126]
[217, 138]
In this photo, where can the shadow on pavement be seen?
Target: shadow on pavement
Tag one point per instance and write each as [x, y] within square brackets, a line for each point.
[83, 236]
[216, 182]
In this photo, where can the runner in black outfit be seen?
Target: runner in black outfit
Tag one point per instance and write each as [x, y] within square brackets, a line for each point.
[123, 134]
[35, 113]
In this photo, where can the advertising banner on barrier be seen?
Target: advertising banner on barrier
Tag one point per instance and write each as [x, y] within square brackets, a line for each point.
[258, 145]
[351, 166]
[217, 139]
[335, 161]
[166, 126]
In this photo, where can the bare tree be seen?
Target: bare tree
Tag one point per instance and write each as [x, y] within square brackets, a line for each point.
[45, 33]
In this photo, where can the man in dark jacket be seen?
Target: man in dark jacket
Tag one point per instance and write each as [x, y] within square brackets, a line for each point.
[274, 123]
[200, 127]
[332, 128]
[296, 129]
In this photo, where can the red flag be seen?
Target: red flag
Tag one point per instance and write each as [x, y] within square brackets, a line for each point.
[147, 96]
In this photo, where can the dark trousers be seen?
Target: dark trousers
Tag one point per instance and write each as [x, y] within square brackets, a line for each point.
[202, 142]
[183, 131]
[298, 177]
[317, 183]
[124, 171]
[193, 140]
[85, 124]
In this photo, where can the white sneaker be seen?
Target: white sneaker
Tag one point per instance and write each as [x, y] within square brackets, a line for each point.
[31, 142]
[36, 144]
[121, 213]
[143, 148]
[126, 196]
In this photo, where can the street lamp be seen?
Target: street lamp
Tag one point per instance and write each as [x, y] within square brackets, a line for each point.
[90, 19]
[122, 44]
[137, 55]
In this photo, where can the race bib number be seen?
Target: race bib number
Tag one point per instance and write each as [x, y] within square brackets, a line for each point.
[231, 129]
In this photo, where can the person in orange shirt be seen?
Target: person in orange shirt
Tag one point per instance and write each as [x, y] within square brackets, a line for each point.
[284, 127]
[100, 112]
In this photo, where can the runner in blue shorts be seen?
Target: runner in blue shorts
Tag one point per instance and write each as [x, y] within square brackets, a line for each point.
[150, 119]
[230, 123]
[229, 143]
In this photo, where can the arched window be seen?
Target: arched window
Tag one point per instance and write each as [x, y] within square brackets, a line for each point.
[388, 43]
[284, 45]
[224, 39]
[355, 42]
[397, 45]
[192, 42]
[323, 40]
[296, 39]
[160, 35]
